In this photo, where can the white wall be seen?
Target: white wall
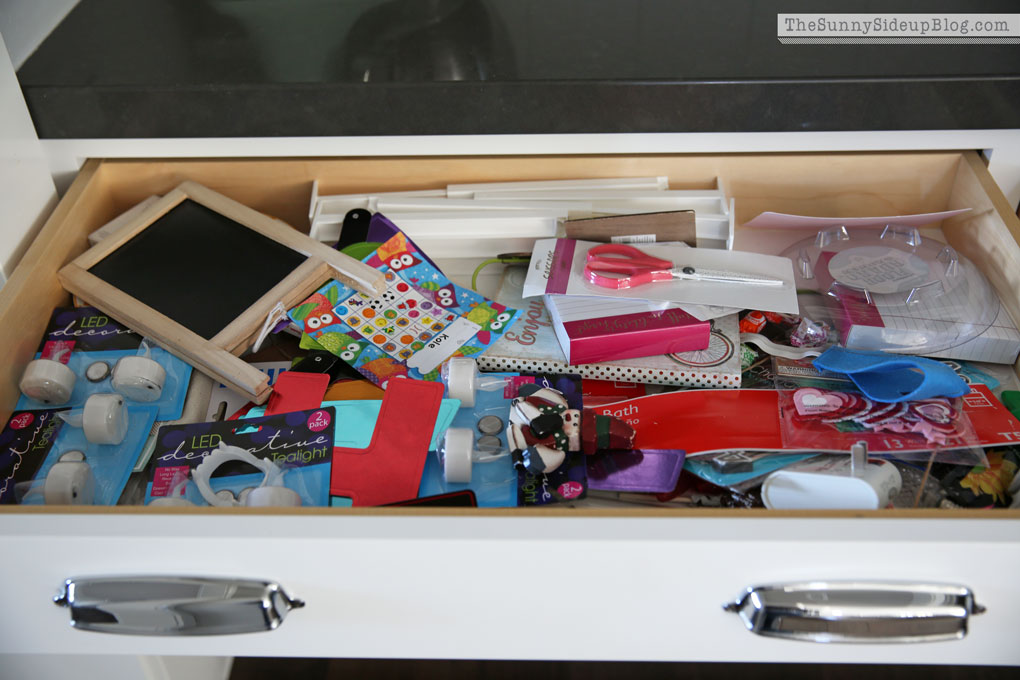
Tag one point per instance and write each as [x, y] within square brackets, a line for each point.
[27, 194]
[24, 24]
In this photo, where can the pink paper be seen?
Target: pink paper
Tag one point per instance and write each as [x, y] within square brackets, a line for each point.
[631, 336]
[774, 220]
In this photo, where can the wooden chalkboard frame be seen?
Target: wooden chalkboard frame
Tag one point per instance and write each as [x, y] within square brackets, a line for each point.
[218, 356]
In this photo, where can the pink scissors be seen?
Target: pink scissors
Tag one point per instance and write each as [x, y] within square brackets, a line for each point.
[613, 258]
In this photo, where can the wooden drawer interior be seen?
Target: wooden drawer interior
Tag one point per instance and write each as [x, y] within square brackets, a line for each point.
[846, 184]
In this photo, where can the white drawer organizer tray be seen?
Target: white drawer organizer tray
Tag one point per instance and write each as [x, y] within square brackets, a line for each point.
[482, 220]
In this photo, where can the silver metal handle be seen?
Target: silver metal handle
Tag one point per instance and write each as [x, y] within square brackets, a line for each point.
[853, 611]
[174, 605]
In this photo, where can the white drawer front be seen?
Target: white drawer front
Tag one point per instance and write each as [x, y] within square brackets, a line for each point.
[510, 588]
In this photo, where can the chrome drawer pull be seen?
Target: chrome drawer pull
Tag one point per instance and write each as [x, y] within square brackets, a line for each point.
[853, 611]
[174, 605]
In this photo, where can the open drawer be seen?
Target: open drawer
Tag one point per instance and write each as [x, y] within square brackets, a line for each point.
[537, 584]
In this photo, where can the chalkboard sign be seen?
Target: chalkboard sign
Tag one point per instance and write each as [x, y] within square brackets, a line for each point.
[198, 267]
[199, 272]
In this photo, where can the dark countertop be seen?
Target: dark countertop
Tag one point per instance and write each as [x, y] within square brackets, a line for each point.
[266, 68]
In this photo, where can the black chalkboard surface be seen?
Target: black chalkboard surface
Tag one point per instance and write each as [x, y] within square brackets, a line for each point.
[198, 267]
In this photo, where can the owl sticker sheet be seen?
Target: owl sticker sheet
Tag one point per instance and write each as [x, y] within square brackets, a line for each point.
[420, 321]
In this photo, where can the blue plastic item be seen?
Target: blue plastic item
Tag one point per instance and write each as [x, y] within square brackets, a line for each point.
[495, 483]
[759, 468]
[111, 464]
[893, 378]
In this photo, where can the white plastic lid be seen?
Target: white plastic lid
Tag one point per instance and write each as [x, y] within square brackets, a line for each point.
[458, 446]
[139, 378]
[461, 380]
[791, 490]
[105, 419]
[48, 381]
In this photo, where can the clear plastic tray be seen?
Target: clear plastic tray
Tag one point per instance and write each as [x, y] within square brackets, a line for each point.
[893, 289]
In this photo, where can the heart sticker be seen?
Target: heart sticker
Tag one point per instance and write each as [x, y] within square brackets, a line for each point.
[810, 401]
[934, 411]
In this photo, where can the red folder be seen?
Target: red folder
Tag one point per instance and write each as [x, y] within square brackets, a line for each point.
[390, 469]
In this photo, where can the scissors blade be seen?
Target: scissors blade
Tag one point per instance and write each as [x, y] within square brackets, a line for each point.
[720, 276]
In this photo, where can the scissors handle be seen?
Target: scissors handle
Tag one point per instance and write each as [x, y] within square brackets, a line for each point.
[618, 257]
[640, 278]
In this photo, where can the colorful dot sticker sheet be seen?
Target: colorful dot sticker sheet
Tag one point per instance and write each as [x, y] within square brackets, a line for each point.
[420, 321]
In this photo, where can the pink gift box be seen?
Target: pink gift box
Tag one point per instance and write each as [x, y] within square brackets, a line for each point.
[629, 336]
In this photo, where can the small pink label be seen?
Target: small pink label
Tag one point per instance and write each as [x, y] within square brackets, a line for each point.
[513, 384]
[22, 421]
[165, 478]
[58, 350]
[318, 421]
[571, 490]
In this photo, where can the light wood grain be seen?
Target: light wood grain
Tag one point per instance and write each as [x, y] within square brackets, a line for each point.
[989, 235]
[122, 219]
[172, 336]
[33, 290]
[542, 511]
[844, 184]
[340, 269]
